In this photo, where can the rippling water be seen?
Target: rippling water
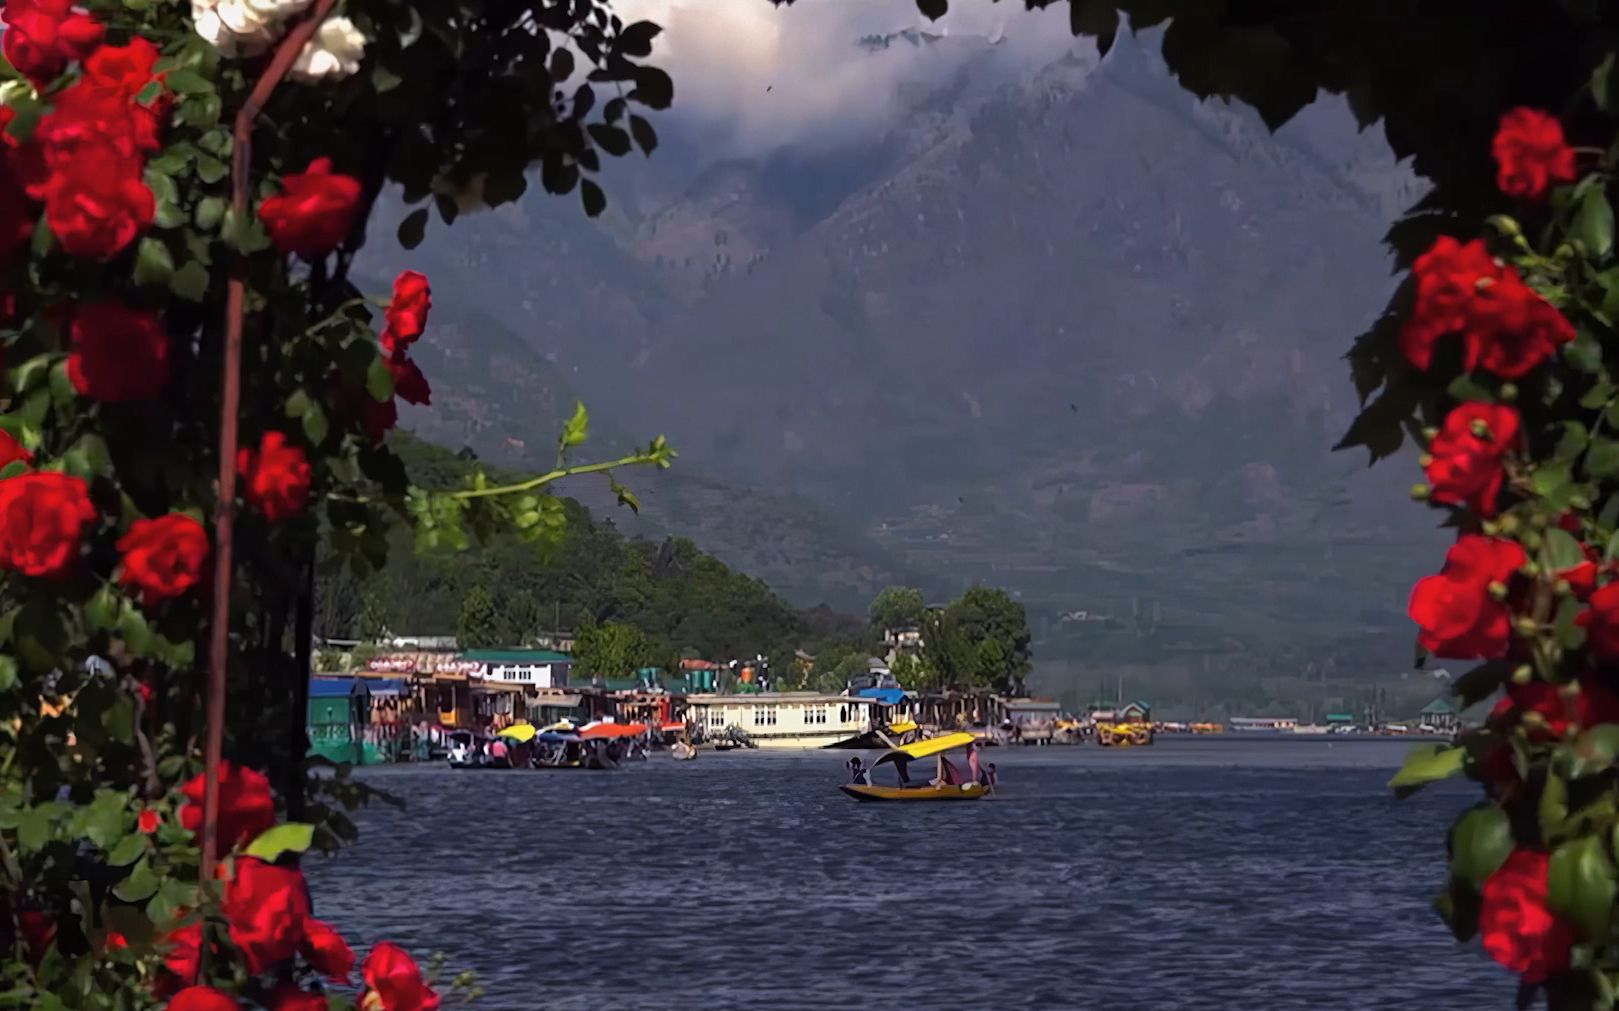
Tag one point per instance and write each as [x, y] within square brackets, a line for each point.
[1197, 873]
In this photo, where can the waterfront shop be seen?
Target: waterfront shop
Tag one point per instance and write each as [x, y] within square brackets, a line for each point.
[977, 712]
[1031, 721]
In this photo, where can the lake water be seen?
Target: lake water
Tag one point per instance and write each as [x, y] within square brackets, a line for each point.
[1224, 874]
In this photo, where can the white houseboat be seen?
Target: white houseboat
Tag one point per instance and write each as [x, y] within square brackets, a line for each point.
[783, 719]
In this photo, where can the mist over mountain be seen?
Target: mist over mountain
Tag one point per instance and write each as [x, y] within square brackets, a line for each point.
[1050, 324]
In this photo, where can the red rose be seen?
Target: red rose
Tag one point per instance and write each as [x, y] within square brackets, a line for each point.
[12, 451]
[266, 907]
[276, 477]
[42, 516]
[246, 806]
[43, 36]
[1601, 622]
[409, 383]
[182, 951]
[148, 821]
[202, 998]
[1466, 468]
[94, 209]
[1582, 579]
[1515, 328]
[326, 951]
[314, 211]
[101, 112]
[124, 70]
[163, 557]
[1457, 616]
[288, 997]
[395, 979]
[38, 933]
[1594, 705]
[1518, 928]
[118, 354]
[1502, 322]
[407, 312]
[1531, 154]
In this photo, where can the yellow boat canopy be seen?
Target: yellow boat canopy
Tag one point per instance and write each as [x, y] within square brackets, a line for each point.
[931, 746]
[519, 732]
[902, 727]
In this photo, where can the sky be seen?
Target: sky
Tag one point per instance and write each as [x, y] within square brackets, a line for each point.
[762, 77]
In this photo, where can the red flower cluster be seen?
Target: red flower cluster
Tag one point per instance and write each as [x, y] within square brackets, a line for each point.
[407, 318]
[119, 354]
[202, 998]
[163, 557]
[1519, 930]
[42, 518]
[149, 821]
[1454, 609]
[87, 155]
[246, 806]
[1594, 704]
[314, 211]
[266, 906]
[1601, 622]
[1530, 154]
[276, 477]
[1464, 468]
[1504, 325]
[43, 36]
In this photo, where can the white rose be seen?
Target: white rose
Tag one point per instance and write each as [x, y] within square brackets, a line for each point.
[333, 53]
[243, 27]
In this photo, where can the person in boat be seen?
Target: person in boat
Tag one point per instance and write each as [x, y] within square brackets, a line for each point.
[859, 775]
[989, 776]
[947, 774]
[974, 774]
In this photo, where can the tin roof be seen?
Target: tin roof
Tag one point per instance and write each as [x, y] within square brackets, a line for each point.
[515, 656]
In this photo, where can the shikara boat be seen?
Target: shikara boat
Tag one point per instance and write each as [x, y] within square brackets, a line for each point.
[901, 758]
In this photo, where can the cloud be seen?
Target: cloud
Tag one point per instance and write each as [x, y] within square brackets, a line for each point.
[755, 77]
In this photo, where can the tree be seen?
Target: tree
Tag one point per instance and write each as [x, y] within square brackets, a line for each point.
[480, 625]
[522, 618]
[373, 617]
[998, 629]
[896, 607]
[611, 651]
[912, 672]
[948, 655]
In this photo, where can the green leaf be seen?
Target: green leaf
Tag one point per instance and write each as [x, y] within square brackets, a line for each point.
[210, 212]
[1573, 441]
[129, 849]
[1601, 79]
[134, 630]
[413, 229]
[210, 169]
[646, 138]
[35, 827]
[140, 885]
[8, 673]
[1595, 751]
[1480, 842]
[1602, 461]
[592, 197]
[1580, 885]
[315, 424]
[1552, 810]
[379, 382]
[1551, 477]
[1427, 763]
[244, 233]
[291, 837]
[1593, 226]
[187, 82]
[153, 264]
[577, 427]
[1598, 395]
[190, 282]
[1561, 550]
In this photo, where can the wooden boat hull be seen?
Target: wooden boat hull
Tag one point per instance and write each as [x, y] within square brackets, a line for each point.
[971, 791]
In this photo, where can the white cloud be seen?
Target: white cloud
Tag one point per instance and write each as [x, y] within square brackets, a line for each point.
[760, 77]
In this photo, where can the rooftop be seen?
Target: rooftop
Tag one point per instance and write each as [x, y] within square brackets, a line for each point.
[515, 656]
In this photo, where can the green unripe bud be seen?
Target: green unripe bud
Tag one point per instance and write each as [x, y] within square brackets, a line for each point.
[1490, 528]
[1523, 675]
[1579, 503]
[1498, 591]
[1508, 392]
[1539, 521]
[1429, 434]
[1532, 719]
[1425, 461]
[1479, 429]
[1419, 492]
[1561, 588]
[1508, 524]
[1525, 626]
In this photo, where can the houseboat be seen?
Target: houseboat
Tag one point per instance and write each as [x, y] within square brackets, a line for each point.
[782, 719]
[1263, 724]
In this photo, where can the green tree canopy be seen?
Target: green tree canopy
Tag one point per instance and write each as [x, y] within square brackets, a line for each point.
[613, 650]
[479, 626]
[897, 606]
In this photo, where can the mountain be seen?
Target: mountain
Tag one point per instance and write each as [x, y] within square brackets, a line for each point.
[1062, 329]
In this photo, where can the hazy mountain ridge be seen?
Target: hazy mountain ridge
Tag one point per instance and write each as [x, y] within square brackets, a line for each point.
[1067, 330]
